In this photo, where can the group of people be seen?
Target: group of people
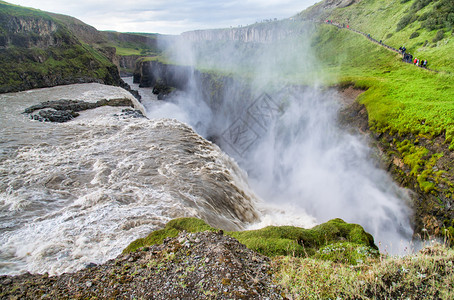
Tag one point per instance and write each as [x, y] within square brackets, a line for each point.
[408, 58]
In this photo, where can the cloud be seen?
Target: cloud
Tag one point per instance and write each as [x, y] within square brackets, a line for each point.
[169, 17]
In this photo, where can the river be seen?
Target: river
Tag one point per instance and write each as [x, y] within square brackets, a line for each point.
[79, 192]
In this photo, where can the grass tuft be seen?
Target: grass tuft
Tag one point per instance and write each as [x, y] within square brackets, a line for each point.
[428, 274]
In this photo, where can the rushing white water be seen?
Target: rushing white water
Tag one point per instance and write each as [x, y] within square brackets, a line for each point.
[305, 167]
[304, 160]
[299, 161]
[81, 191]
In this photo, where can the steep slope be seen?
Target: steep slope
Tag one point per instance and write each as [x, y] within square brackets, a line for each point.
[425, 27]
[409, 109]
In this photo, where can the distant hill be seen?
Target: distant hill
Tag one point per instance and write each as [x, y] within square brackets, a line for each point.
[41, 49]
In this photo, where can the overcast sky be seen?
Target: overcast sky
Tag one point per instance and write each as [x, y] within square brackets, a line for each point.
[169, 16]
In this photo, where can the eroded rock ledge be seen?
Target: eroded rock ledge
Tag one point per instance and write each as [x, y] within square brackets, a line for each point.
[61, 111]
[189, 259]
[202, 265]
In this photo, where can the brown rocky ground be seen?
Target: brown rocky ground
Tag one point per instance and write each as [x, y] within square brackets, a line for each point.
[203, 265]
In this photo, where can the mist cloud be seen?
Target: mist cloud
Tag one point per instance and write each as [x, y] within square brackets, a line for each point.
[303, 166]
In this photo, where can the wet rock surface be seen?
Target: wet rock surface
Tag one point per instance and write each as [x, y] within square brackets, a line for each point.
[58, 116]
[203, 265]
[64, 110]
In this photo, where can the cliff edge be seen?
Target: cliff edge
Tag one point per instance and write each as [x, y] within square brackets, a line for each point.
[39, 50]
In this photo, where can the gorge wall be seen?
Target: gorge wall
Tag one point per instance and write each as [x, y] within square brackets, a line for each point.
[433, 207]
[210, 87]
[259, 33]
[429, 210]
[39, 50]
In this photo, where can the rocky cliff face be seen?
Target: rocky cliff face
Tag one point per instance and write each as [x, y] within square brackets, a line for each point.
[29, 32]
[259, 33]
[83, 32]
[39, 50]
[211, 87]
[128, 62]
[149, 73]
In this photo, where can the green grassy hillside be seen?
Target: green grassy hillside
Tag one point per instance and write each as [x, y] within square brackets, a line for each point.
[133, 43]
[41, 49]
[410, 109]
[38, 50]
[425, 27]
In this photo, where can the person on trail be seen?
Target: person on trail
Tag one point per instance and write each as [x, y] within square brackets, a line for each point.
[402, 50]
[406, 58]
[415, 60]
[424, 63]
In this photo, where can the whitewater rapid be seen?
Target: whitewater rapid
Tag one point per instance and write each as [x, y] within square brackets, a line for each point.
[305, 168]
[79, 192]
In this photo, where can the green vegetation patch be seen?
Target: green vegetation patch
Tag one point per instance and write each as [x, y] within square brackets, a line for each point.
[289, 240]
[428, 274]
[347, 253]
[400, 98]
[280, 240]
[412, 105]
[423, 20]
[48, 54]
[171, 229]
[127, 44]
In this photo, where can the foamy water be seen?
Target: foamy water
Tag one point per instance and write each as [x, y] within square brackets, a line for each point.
[305, 168]
[80, 192]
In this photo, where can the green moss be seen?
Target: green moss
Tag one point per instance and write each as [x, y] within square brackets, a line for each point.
[271, 240]
[421, 164]
[171, 229]
[288, 240]
[412, 155]
[346, 253]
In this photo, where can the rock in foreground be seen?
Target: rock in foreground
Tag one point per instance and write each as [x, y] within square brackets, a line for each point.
[203, 265]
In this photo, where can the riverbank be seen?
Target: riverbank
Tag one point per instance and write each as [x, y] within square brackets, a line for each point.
[210, 264]
[198, 266]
